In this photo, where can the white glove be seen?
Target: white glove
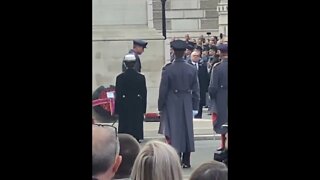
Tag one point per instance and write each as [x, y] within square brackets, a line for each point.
[195, 112]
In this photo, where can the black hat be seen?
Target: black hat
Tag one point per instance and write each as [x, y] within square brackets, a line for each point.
[191, 43]
[190, 47]
[199, 48]
[140, 43]
[223, 48]
[179, 45]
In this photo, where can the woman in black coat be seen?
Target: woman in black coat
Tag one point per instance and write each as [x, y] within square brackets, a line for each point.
[131, 99]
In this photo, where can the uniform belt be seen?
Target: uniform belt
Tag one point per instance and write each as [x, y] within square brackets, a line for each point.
[176, 91]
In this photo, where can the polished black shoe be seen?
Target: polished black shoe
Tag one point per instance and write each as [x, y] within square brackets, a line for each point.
[184, 166]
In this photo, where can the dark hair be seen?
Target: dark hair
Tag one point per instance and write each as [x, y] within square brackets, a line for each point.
[129, 150]
[212, 170]
[221, 35]
[130, 64]
[179, 53]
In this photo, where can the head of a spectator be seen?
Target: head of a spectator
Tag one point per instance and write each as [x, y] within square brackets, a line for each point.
[199, 49]
[203, 40]
[139, 46]
[195, 56]
[212, 52]
[212, 42]
[189, 50]
[212, 170]
[221, 35]
[105, 152]
[187, 37]
[225, 40]
[199, 42]
[157, 161]
[129, 150]
[223, 49]
[205, 51]
[179, 48]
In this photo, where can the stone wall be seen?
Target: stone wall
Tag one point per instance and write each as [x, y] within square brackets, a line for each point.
[195, 17]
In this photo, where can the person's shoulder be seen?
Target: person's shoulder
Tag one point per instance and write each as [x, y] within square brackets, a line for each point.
[216, 64]
[166, 65]
[141, 75]
[120, 75]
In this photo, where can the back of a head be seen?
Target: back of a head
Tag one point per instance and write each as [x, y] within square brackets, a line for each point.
[157, 161]
[212, 170]
[129, 150]
[129, 60]
[104, 149]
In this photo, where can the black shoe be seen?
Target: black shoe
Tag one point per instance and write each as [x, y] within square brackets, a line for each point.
[184, 166]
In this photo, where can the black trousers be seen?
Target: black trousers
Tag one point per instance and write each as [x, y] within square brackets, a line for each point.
[199, 115]
[185, 158]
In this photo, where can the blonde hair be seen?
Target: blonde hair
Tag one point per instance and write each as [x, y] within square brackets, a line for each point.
[157, 161]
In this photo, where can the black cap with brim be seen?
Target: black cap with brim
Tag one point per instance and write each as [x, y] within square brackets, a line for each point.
[190, 47]
[223, 48]
[179, 45]
[191, 43]
[199, 48]
[140, 43]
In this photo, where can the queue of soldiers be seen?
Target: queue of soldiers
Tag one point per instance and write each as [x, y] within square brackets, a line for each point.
[196, 69]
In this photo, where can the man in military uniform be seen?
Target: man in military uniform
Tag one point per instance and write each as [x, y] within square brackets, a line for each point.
[178, 102]
[218, 90]
[131, 99]
[138, 49]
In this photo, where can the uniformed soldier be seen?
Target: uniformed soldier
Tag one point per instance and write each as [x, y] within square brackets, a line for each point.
[131, 99]
[178, 103]
[138, 49]
[218, 90]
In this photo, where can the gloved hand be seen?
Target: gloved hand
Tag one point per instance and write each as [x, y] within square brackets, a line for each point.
[195, 112]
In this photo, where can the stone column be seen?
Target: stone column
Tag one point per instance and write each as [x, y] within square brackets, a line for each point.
[115, 25]
[150, 13]
[222, 9]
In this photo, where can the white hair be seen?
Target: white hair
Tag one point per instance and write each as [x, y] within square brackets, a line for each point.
[157, 161]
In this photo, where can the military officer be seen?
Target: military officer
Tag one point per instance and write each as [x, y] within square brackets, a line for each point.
[178, 102]
[138, 49]
[218, 90]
